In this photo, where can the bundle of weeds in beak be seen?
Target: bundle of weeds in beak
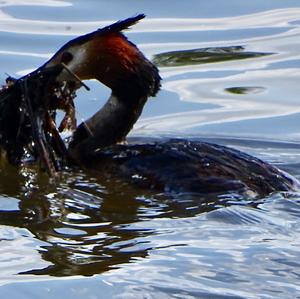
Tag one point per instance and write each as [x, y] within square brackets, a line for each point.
[27, 118]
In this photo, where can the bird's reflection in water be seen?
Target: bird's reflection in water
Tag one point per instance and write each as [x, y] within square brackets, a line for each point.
[87, 220]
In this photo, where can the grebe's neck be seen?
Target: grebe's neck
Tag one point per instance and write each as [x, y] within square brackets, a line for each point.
[110, 125]
[108, 56]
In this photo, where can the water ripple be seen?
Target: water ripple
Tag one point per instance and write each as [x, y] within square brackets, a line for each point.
[272, 18]
[135, 243]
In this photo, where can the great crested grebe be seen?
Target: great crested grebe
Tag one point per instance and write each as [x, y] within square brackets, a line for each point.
[174, 165]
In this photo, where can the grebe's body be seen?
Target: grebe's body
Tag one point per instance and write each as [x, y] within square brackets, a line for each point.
[191, 166]
[181, 166]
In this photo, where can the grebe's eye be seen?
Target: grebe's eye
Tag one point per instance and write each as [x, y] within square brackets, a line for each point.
[66, 57]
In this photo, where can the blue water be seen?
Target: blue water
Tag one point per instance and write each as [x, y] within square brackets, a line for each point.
[84, 236]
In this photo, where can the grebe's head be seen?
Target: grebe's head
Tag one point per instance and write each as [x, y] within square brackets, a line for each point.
[107, 55]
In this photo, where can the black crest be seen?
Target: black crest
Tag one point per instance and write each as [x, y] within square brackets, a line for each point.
[121, 25]
[116, 27]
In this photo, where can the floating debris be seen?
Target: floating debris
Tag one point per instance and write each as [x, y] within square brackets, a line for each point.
[27, 117]
[242, 90]
[204, 55]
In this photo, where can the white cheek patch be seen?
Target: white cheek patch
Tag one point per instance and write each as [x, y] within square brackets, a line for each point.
[79, 58]
[78, 61]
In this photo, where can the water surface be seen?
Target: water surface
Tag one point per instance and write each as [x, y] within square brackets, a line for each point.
[231, 76]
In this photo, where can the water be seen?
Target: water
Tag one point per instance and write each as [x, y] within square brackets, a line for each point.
[231, 76]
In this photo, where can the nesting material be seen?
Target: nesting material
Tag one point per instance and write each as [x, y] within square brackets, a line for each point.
[28, 108]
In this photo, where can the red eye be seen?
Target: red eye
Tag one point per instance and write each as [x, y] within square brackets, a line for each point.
[66, 57]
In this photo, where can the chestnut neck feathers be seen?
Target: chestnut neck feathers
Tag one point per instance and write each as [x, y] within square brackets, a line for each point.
[108, 56]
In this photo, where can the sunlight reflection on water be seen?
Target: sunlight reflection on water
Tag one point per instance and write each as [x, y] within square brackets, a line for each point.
[137, 243]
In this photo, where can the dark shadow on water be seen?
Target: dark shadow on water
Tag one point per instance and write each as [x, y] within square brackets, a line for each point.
[240, 90]
[86, 219]
[204, 55]
[91, 223]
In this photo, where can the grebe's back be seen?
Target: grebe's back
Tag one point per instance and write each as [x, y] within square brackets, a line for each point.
[192, 166]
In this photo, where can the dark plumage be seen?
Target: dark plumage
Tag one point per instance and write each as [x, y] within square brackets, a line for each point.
[192, 166]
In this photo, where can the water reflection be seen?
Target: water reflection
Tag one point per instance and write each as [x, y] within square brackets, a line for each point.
[138, 242]
[245, 89]
[272, 18]
[82, 222]
[48, 3]
[86, 224]
[204, 55]
[230, 109]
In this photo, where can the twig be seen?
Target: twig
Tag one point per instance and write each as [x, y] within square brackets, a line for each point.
[37, 134]
[58, 140]
[86, 125]
[75, 76]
